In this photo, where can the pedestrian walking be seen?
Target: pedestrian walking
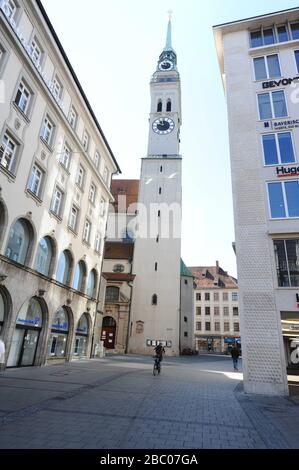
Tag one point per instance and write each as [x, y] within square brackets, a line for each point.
[235, 356]
[2, 351]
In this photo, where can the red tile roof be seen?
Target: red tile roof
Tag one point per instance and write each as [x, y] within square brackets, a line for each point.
[127, 188]
[119, 276]
[212, 277]
[119, 250]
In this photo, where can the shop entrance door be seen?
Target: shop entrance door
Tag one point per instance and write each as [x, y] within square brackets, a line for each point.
[23, 348]
[108, 336]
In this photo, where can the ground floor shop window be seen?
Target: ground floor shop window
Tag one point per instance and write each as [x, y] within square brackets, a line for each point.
[81, 338]
[58, 339]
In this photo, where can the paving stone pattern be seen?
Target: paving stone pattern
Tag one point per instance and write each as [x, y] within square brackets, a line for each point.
[116, 403]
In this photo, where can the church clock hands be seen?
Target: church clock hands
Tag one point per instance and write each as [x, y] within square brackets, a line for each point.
[163, 125]
[166, 65]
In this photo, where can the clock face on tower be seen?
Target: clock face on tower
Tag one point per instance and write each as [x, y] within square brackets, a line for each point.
[166, 65]
[163, 125]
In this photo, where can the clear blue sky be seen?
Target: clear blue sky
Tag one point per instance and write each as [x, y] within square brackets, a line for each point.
[114, 46]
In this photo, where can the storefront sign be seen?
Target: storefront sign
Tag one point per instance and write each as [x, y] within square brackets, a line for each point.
[297, 298]
[281, 125]
[282, 171]
[25, 321]
[4, 7]
[282, 82]
[58, 326]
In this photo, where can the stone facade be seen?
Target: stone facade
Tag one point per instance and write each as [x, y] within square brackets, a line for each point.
[257, 58]
[55, 174]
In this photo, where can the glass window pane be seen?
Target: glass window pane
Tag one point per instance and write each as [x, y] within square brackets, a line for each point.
[286, 147]
[256, 39]
[292, 193]
[260, 68]
[264, 106]
[91, 284]
[82, 327]
[44, 257]
[273, 66]
[282, 34]
[276, 200]
[63, 268]
[292, 247]
[270, 150]
[61, 320]
[281, 264]
[295, 30]
[268, 36]
[18, 244]
[30, 314]
[279, 104]
[297, 59]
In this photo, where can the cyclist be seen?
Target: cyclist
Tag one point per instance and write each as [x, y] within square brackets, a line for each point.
[159, 350]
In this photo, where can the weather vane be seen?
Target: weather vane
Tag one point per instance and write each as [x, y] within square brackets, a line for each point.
[170, 14]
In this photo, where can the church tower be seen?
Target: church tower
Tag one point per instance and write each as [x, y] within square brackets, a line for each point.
[155, 313]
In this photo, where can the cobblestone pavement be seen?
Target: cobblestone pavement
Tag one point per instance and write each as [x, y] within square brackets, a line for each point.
[116, 403]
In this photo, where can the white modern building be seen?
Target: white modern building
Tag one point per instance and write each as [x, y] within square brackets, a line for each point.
[216, 305]
[155, 312]
[259, 63]
[55, 174]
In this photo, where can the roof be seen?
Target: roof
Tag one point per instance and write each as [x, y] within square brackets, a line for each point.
[255, 22]
[184, 270]
[66, 59]
[252, 18]
[119, 250]
[126, 188]
[119, 276]
[213, 277]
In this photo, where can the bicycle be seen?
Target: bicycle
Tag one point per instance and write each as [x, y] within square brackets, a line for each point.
[157, 365]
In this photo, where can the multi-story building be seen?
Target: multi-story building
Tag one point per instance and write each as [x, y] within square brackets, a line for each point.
[216, 315]
[259, 62]
[55, 172]
[117, 266]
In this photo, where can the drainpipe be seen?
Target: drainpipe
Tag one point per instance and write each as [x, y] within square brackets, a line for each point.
[129, 318]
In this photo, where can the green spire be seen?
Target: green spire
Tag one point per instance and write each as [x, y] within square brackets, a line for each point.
[168, 46]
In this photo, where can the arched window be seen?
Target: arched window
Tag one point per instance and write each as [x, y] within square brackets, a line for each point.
[26, 334]
[80, 275]
[112, 294]
[109, 321]
[168, 106]
[64, 267]
[3, 219]
[59, 334]
[44, 256]
[81, 338]
[20, 238]
[159, 106]
[155, 299]
[91, 283]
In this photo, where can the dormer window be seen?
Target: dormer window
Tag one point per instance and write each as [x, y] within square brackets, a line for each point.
[57, 87]
[85, 141]
[10, 8]
[36, 51]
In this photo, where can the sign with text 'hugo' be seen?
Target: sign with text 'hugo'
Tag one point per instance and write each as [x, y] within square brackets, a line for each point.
[287, 171]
